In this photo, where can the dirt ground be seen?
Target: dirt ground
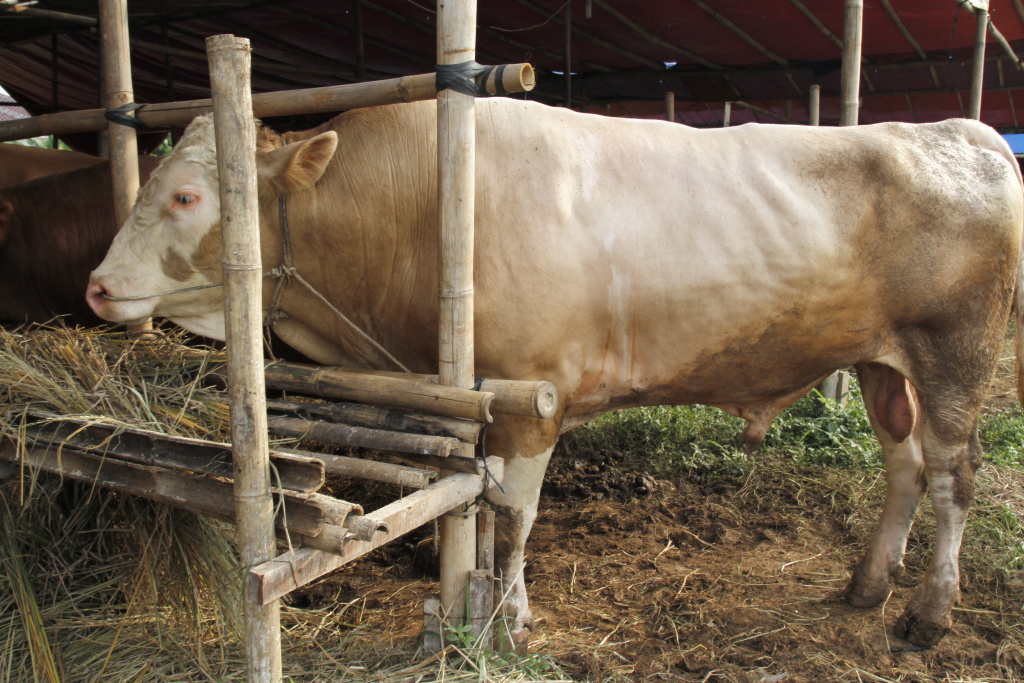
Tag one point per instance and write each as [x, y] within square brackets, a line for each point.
[643, 579]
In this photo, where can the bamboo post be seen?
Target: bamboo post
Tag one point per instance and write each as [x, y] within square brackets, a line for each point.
[670, 106]
[456, 169]
[357, 24]
[123, 148]
[230, 75]
[850, 78]
[727, 114]
[978, 65]
[814, 110]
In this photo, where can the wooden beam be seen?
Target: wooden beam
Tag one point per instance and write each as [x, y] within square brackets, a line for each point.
[592, 39]
[901, 27]
[802, 8]
[652, 38]
[739, 33]
[517, 78]
[293, 569]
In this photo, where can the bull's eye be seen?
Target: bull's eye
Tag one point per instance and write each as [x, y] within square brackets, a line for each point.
[185, 199]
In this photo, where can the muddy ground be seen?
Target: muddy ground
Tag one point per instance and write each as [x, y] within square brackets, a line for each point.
[643, 579]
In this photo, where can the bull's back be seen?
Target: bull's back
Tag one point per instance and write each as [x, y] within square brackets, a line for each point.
[686, 261]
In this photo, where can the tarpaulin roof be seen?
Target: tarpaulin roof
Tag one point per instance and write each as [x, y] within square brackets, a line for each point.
[761, 55]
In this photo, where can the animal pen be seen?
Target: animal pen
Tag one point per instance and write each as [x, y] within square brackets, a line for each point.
[434, 421]
[431, 421]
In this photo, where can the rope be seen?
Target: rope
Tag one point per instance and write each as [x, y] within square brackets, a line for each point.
[170, 291]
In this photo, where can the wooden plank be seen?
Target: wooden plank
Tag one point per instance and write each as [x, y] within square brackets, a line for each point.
[293, 569]
[362, 437]
[389, 419]
[294, 472]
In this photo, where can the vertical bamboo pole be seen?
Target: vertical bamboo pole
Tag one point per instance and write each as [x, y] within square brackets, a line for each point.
[567, 57]
[670, 106]
[814, 110]
[978, 65]
[117, 69]
[456, 170]
[122, 146]
[230, 75]
[727, 114]
[850, 78]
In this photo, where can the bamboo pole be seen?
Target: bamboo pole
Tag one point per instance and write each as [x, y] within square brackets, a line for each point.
[515, 78]
[814, 109]
[373, 417]
[357, 25]
[670, 106]
[727, 115]
[456, 168]
[362, 437]
[381, 390]
[978, 64]
[243, 285]
[123, 148]
[850, 76]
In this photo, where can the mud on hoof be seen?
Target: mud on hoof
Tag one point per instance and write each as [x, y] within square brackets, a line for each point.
[864, 591]
[921, 630]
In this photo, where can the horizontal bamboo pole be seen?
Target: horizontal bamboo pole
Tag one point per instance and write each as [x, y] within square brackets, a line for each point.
[391, 391]
[295, 472]
[515, 78]
[361, 437]
[304, 512]
[291, 570]
[452, 462]
[374, 417]
[525, 398]
[360, 468]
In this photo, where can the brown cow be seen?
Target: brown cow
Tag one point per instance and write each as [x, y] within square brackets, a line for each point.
[21, 163]
[53, 232]
[636, 263]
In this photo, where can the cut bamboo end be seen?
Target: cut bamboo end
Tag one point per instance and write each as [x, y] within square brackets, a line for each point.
[515, 78]
[365, 528]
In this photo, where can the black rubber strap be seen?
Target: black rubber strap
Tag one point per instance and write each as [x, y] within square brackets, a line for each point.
[469, 78]
[120, 115]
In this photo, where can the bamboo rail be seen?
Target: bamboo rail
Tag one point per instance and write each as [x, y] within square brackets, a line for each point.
[515, 78]
[373, 417]
[362, 437]
[293, 569]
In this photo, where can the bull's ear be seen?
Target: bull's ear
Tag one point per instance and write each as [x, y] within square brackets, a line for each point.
[6, 219]
[296, 166]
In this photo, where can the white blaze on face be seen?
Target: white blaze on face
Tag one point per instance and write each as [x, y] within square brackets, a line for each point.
[161, 246]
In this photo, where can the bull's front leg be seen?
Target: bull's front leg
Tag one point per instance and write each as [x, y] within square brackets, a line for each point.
[526, 444]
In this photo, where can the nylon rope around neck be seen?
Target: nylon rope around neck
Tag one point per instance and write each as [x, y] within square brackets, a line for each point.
[284, 274]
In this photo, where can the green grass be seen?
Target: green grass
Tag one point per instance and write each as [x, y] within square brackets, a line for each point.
[701, 439]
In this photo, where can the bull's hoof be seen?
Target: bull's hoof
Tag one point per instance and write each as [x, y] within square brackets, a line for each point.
[864, 592]
[920, 630]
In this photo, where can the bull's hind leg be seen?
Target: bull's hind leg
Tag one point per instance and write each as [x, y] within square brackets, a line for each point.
[891, 407]
[526, 444]
[950, 464]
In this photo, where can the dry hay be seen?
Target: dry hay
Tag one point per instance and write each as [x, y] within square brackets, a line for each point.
[101, 586]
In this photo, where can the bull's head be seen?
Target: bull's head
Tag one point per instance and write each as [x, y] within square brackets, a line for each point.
[171, 240]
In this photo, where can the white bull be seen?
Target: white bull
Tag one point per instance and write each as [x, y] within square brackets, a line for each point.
[638, 263]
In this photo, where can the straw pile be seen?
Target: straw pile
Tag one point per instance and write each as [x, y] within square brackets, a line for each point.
[101, 586]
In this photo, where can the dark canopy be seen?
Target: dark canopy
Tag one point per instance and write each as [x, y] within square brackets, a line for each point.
[762, 55]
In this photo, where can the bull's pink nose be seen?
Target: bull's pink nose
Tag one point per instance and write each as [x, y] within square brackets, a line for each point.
[94, 296]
